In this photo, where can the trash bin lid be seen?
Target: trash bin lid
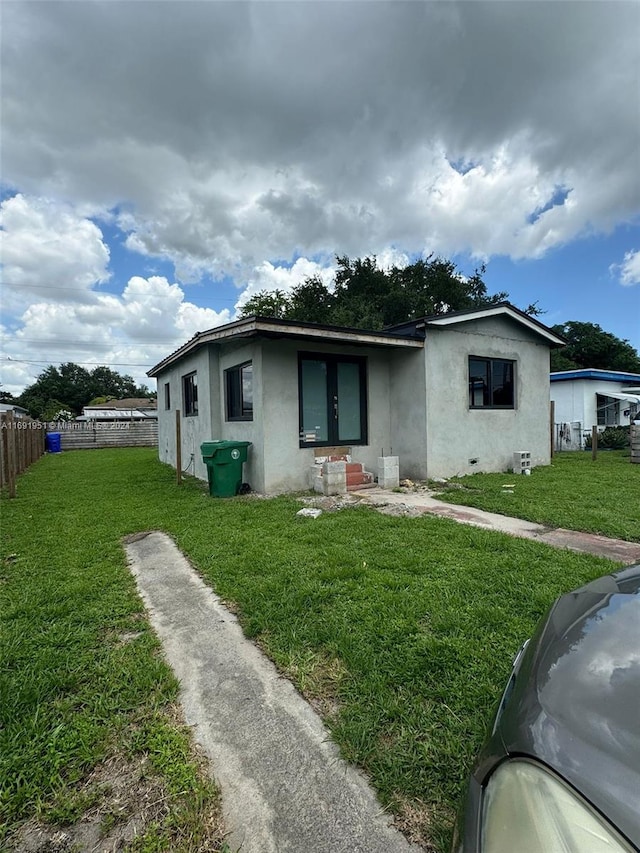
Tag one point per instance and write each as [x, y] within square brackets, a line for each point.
[210, 448]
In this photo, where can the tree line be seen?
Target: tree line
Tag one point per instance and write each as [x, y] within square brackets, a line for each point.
[70, 387]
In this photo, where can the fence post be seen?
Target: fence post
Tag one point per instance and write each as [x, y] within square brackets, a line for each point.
[4, 471]
[178, 448]
[594, 442]
[552, 430]
[11, 455]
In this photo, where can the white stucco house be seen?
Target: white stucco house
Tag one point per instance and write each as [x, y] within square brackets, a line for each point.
[589, 397]
[450, 394]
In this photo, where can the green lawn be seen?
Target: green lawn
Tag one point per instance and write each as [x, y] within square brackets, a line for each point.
[401, 630]
[601, 496]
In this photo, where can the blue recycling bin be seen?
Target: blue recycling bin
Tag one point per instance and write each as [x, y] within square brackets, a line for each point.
[53, 442]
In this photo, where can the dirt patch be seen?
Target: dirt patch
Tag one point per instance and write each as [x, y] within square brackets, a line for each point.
[413, 820]
[331, 503]
[125, 798]
[118, 802]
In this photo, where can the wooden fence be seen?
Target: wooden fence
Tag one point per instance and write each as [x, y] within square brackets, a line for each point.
[22, 442]
[635, 443]
[86, 435]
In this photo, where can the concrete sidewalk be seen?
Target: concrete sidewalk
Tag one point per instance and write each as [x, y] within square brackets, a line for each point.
[589, 543]
[284, 787]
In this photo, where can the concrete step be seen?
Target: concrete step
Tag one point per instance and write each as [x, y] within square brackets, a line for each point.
[356, 488]
[359, 479]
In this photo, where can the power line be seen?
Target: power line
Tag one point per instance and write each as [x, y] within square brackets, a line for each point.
[94, 344]
[80, 290]
[11, 360]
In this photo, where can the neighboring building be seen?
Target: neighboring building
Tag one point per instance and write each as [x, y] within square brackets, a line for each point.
[129, 409]
[18, 411]
[450, 394]
[590, 397]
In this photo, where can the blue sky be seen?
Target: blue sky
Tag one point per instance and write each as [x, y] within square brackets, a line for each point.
[162, 161]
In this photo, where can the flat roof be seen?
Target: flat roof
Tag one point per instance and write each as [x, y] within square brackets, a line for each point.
[595, 373]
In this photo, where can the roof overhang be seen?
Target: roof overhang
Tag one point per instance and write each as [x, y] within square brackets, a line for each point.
[628, 398]
[262, 327]
[500, 310]
[597, 374]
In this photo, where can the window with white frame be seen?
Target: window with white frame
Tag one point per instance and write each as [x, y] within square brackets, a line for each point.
[608, 410]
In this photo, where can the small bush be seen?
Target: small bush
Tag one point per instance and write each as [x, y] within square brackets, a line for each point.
[612, 438]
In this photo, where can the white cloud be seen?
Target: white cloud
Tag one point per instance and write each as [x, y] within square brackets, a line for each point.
[269, 277]
[49, 251]
[128, 332]
[443, 127]
[629, 269]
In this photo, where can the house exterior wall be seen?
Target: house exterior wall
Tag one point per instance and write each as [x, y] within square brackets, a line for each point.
[232, 355]
[457, 434]
[196, 428]
[408, 412]
[286, 464]
[276, 462]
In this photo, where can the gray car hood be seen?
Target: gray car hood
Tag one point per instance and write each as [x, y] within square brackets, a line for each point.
[575, 704]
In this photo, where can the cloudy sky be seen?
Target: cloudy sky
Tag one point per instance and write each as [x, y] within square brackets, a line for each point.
[163, 160]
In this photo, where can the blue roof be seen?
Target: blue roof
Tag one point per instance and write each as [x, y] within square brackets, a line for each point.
[592, 373]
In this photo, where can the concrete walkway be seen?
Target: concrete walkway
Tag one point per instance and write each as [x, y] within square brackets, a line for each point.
[589, 543]
[284, 787]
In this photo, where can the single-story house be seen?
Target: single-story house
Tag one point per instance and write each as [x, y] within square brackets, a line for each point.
[117, 411]
[449, 394]
[589, 397]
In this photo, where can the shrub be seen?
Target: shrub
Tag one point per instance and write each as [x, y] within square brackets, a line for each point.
[612, 438]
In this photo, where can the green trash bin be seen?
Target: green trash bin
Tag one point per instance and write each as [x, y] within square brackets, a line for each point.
[224, 461]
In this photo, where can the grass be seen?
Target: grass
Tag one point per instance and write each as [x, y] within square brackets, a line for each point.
[401, 630]
[574, 492]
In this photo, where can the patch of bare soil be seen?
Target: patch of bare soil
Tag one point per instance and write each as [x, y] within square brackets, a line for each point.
[413, 820]
[126, 797]
[331, 503]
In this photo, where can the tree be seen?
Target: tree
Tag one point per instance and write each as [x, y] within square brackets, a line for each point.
[366, 296]
[589, 346]
[273, 303]
[71, 386]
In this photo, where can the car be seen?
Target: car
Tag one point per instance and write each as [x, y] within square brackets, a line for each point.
[560, 769]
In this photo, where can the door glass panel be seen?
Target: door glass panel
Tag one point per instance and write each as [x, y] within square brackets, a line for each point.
[348, 382]
[315, 425]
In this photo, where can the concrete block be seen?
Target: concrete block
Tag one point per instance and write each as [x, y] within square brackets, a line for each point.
[388, 472]
[315, 478]
[334, 478]
[385, 462]
[338, 467]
